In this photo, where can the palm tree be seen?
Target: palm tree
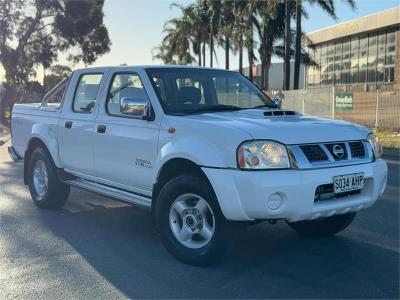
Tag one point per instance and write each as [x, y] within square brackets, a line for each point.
[287, 42]
[238, 29]
[192, 15]
[329, 7]
[249, 12]
[175, 46]
[227, 19]
[183, 36]
[204, 25]
[215, 7]
[270, 29]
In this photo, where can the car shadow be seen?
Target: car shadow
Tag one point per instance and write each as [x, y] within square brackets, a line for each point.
[121, 244]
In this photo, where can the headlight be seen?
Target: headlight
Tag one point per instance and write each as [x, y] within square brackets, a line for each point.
[373, 141]
[258, 155]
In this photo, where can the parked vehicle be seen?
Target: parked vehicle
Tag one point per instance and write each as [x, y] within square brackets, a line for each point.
[204, 149]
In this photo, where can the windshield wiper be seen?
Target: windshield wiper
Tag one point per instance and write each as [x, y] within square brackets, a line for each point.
[213, 108]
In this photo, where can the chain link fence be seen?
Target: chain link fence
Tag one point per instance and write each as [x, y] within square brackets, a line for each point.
[375, 107]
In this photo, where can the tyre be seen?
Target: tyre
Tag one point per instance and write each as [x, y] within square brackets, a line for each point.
[190, 222]
[323, 226]
[46, 189]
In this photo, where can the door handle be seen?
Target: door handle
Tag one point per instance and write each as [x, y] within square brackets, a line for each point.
[68, 124]
[101, 129]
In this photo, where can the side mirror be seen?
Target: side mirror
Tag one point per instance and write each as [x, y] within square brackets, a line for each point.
[277, 101]
[136, 108]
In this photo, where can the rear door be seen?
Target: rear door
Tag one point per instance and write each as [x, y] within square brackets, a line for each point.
[125, 146]
[77, 122]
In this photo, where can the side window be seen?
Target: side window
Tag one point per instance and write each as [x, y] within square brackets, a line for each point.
[124, 86]
[86, 93]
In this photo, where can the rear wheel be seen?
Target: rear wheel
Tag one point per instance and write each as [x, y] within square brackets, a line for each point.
[323, 226]
[46, 189]
[190, 222]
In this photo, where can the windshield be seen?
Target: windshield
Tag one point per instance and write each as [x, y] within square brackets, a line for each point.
[195, 90]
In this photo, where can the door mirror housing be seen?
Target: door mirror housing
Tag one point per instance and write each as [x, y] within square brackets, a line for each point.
[137, 108]
[277, 101]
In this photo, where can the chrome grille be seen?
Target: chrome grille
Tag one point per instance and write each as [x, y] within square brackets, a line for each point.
[357, 149]
[331, 154]
[314, 153]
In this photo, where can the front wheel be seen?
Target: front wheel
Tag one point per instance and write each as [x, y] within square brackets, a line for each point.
[190, 222]
[323, 226]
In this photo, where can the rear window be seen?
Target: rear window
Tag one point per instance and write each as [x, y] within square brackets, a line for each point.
[86, 93]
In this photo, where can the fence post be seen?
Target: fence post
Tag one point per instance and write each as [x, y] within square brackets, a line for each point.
[377, 108]
[333, 102]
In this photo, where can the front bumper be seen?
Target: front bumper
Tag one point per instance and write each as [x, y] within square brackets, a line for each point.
[252, 195]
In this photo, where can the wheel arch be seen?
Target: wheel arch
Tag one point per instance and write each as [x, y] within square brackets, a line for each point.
[171, 169]
[34, 143]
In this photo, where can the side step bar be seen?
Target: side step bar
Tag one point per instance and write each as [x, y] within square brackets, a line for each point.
[112, 192]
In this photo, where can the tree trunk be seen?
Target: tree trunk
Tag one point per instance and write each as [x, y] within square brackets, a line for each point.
[262, 80]
[286, 63]
[6, 103]
[266, 74]
[297, 55]
[241, 58]
[44, 74]
[251, 62]
[211, 49]
[199, 54]
[227, 49]
[204, 54]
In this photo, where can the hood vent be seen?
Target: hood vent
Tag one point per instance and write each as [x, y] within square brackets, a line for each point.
[275, 113]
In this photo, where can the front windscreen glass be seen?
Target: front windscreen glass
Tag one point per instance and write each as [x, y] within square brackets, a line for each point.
[194, 90]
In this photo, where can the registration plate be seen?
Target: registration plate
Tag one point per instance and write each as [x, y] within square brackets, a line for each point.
[347, 183]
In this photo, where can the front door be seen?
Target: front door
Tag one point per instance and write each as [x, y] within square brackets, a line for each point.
[76, 125]
[125, 146]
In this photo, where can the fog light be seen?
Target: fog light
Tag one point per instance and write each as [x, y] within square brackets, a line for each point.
[274, 201]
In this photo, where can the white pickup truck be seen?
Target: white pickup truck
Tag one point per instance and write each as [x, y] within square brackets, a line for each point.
[204, 149]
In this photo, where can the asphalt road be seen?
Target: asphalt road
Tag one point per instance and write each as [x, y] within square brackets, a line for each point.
[99, 248]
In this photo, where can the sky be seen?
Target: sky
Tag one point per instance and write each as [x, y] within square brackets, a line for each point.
[135, 27]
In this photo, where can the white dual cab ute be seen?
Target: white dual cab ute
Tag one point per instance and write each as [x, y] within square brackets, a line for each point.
[204, 149]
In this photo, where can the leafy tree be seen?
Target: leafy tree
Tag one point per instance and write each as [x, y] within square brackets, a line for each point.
[33, 32]
[56, 74]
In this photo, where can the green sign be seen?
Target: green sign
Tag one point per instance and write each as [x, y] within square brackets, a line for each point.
[344, 101]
